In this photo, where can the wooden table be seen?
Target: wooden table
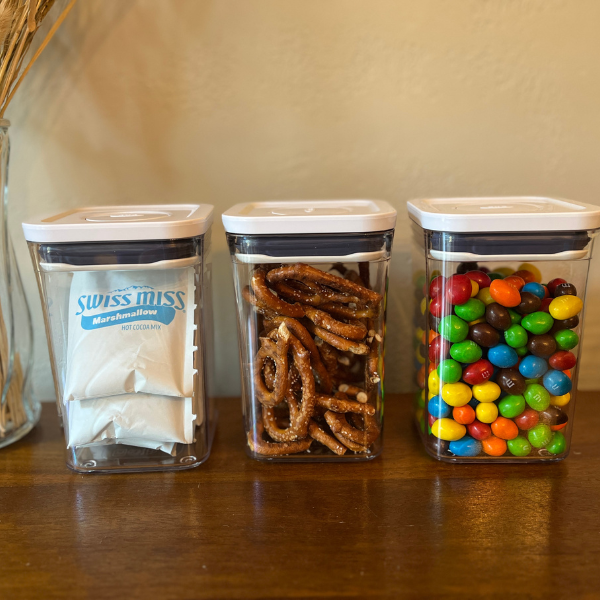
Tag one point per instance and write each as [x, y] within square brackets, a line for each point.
[401, 526]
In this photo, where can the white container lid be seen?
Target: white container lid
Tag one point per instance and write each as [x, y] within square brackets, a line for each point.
[503, 214]
[310, 216]
[122, 223]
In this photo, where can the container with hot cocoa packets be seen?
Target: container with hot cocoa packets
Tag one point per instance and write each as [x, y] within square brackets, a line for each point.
[311, 280]
[126, 293]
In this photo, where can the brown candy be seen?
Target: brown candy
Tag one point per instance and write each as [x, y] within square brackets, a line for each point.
[553, 416]
[465, 267]
[542, 345]
[569, 323]
[498, 316]
[484, 335]
[565, 289]
[529, 303]
[511, 381]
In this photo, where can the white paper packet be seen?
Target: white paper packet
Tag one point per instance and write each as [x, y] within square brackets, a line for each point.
[131, 332]
[142, 420]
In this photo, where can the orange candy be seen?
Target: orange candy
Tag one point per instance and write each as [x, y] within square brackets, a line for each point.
[494, 446]
[516, 281]
[421, 377]
[504, 293]
[505, 428]
[432, 335]
[464, 415]
[432, 367]
[528, 276]
[546, 292]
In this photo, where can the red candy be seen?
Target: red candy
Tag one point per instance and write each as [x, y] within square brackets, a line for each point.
[437, 286]
[438, 349]
[527, 276]
[562, 360]
[432, 420]
[480, 277]
[504, 293]
[458, 289]
[552, 285]
[545, 305]
[464, 415]
[479, 431]
[439, 308]
[478, 372]
[527, 419]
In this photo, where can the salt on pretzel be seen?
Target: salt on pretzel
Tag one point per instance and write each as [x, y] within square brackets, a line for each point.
[305, 273]
[277, 352]
[353, 391]
[352, 311]
[260, 446]
[338, 423]
[337, 341]
[340, 405]
[306, 340]
[269, 300]
[273, 428]
[353, 330]
[320, 435]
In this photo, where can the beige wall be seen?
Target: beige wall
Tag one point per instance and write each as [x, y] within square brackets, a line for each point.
[226, 101]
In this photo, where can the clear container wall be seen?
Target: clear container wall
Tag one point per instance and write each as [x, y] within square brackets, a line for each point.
[311, 317]
[497, 335]
[128, 332]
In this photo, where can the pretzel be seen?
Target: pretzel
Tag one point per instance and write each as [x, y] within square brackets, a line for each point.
[355, 391]
[364, 437]
[306, 273]
[278, 353]
[305, 338]
[281, 434]
[324, 438]
[337, 341]
[353, 330]
[260, 446]
[339, 405]
[267, 299]
[350, 444]
[352, 311]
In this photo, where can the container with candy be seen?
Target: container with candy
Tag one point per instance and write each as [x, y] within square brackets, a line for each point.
[499, 288]
[311, 281]
[126, 293]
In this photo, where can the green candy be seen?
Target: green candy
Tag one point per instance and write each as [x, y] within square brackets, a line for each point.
[453, 329]
[515, 317]
[472, 309]
[558, 444]
[449, 371]
[511, 406]
[466, 352]
[493, 276]
[538, 397]
[538, 322]
[540, 435]
[420, 400]
[519, 446]
[522, 351]
[422, 425]
[566, 339]
[516, 336]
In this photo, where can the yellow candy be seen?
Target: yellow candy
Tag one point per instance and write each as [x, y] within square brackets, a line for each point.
[532, 269]
[560, 400]
[486, 392]
[419, 333]
[565, 307]
[474, 288]
[422, 394]
[504, 271]
[419, 356]
[433, 382]
[485, 296]
[423, 305]
[487, 412]
[448, 429]
[430, 395]
[482, 320]
[456, 394]
[419, 414]
[435, 274]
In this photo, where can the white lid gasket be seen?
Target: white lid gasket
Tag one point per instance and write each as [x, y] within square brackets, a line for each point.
[503, 214]
[310, 216]
[121, 223]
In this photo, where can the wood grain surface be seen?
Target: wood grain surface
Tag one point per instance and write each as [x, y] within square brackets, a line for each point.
[402, 526]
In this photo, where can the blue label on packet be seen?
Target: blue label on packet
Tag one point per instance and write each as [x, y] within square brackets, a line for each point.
[160, 314]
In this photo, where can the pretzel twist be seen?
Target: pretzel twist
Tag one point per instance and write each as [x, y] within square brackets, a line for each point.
[268, 299]
[353, 330]
[337, 341]
[304, 273]
[260, 446]
[339, 405]
[324, 438]
[338, 423]
[355, 311]
[277, 352]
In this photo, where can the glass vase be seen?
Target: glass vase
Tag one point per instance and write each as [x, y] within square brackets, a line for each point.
[19, 410]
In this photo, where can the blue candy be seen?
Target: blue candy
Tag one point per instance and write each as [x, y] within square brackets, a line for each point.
[534, 288]
[503, 356]
[466, 446]
[557, 383]
[532, 367]
[438, 408]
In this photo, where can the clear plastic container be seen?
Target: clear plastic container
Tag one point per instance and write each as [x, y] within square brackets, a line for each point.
[126, 294]
[499, 285]
[311, 281]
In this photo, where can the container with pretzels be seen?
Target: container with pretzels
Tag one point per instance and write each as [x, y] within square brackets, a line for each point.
[311, 279]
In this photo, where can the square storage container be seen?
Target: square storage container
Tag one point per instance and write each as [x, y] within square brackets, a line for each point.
[126, 294]
[311, 280]
[500, 295]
